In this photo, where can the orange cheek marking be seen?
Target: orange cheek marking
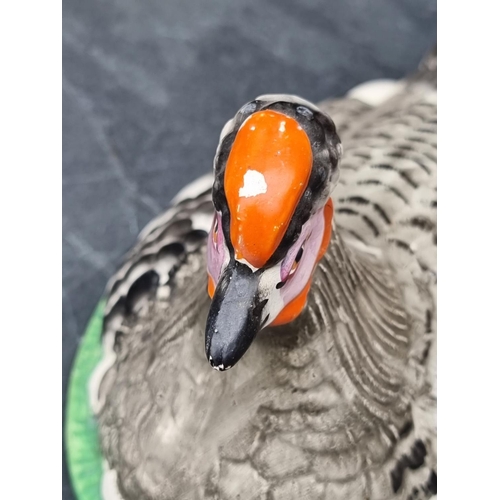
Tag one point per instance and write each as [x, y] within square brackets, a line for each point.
[266, 174]
[327, 234]
[296, 306]
[211, 286]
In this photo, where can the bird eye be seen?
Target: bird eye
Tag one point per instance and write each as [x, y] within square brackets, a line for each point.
[215, 231]
[294, 267]
[299, 254]
[296, 261]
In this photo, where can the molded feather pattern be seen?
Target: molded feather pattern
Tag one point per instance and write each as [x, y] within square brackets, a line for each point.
[341, 403]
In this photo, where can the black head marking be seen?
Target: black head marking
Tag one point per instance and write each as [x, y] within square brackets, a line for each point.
[325, 145]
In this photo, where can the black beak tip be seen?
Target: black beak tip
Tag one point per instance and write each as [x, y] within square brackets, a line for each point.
[221, 367]
[218, 356]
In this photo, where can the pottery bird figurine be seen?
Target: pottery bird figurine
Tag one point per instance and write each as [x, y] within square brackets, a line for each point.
[320, 261]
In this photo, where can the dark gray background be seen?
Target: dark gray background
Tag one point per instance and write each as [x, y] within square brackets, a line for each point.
[148, 85]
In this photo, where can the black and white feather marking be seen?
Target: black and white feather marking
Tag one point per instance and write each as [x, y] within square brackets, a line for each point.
[162, 247]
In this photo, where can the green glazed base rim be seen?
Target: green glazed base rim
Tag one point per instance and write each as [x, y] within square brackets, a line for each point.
[83, 452]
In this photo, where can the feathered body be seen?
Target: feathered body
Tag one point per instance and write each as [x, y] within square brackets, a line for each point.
[339, 404]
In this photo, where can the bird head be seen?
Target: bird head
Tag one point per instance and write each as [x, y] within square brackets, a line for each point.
[275, 168]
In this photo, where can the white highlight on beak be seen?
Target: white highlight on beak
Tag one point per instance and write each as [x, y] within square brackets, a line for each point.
[254, 184]
[282, 127]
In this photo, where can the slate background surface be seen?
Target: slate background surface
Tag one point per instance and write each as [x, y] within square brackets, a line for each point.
[147, 87]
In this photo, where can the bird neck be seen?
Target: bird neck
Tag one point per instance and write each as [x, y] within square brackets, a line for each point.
[356, 297]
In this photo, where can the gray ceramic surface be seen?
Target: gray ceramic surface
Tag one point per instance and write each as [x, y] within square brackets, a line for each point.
[147, 87]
